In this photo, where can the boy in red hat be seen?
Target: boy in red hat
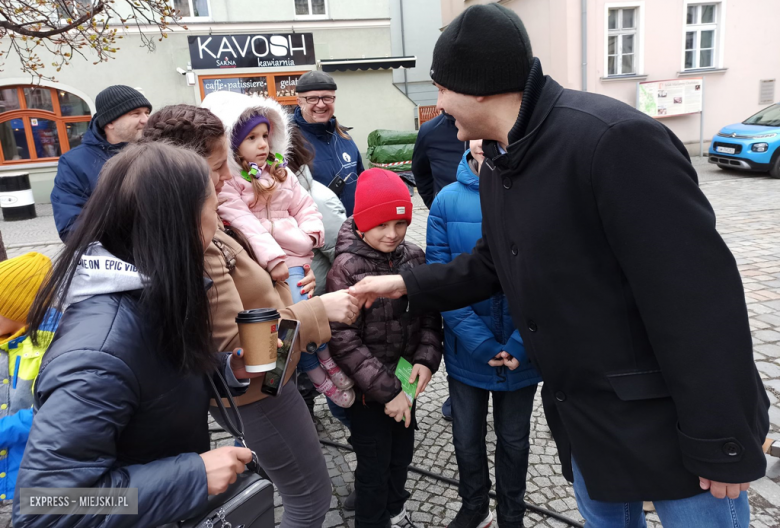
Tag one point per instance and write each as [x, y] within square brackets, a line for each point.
[368, 350]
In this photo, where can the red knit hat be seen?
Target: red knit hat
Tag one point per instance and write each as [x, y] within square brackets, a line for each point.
[381, 196]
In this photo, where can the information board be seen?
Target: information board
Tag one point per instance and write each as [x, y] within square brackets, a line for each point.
[670, 98]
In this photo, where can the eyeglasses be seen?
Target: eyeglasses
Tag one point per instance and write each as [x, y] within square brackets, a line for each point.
[315, 99]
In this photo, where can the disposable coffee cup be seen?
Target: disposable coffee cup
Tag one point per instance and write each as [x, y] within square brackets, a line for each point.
[258, 331]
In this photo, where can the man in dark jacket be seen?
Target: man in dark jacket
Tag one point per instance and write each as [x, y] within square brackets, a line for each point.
[337, 160]
[629, 303]
[121, 115]
[437, 153]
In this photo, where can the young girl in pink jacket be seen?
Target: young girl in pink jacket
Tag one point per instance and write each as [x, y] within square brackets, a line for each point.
[279, 219]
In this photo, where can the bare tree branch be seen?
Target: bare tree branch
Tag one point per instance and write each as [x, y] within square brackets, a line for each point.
[58, 30]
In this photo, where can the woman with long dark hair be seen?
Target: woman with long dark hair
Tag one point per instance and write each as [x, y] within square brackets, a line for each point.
[278, 428]
[122, 397]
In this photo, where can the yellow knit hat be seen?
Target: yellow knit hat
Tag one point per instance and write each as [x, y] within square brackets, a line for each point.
[20, 280]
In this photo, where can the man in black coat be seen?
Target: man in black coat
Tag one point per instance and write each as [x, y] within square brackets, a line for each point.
[437, 153]
[628, 300]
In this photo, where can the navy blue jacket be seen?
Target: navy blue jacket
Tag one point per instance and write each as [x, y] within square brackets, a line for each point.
[436, 156]
[333, 156]
[112, 413]
[475, 334]
[77, 176]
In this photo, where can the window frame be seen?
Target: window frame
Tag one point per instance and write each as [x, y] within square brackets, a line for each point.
[270, 79]
[717, 27]
[25, 114]
[639, 39]
[207, 18]
[310, 16]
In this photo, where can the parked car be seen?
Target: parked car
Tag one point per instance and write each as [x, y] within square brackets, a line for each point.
[752, 145]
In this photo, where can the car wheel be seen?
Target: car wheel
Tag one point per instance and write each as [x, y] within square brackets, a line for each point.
[775, 170]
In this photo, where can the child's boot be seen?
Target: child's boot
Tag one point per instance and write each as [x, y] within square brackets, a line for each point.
[341, 380]
[339, 397]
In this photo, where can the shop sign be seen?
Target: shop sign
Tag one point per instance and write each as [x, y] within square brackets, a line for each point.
[251, 51]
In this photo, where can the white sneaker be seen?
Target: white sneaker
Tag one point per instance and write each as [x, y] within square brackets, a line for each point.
[402, 520]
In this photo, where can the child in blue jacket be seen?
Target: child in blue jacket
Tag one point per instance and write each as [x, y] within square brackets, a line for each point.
[484, 354]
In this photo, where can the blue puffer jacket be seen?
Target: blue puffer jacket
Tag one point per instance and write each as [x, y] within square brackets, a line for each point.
[475, 334]
[111, 412]
[333, 156]
[77, 176]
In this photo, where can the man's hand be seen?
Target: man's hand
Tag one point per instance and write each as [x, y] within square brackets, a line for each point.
[721, 490]
[504, 359]
[422, 373]
[398, 409]
[371, 288]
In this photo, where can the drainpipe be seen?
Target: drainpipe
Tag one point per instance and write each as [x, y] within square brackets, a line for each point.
[403, 47]
[584, 45]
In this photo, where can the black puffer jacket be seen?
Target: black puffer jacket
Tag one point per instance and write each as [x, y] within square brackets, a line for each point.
[111, 413]
[369, 349]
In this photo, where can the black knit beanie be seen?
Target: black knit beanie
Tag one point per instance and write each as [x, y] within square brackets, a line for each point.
[115, 101]
[484, 51]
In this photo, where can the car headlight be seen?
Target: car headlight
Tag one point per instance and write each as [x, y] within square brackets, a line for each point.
[759, 147]
[761, 136]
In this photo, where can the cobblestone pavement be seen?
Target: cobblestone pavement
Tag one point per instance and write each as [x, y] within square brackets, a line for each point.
[748, 211]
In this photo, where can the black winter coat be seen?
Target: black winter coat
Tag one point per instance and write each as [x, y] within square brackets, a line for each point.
[111, 413]
[629, 303]
[369, 349]
[437, 154]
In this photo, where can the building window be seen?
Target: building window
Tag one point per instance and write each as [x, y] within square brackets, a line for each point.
[278, 86]
[622, 41]
[39, 123]
[311, 8]
[192, 8]
[73, 9]
[701, 27]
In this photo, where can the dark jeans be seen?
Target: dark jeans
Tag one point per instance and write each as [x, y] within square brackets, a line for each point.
[384, 450]
[512, 423]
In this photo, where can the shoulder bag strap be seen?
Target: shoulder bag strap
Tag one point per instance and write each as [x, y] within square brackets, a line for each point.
[234, 427]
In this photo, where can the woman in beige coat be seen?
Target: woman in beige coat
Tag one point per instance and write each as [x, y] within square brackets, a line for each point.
[279, 429]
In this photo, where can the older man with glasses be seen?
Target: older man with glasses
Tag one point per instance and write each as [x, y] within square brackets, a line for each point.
[337, 162]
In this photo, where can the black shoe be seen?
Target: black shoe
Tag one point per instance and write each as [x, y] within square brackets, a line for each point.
[349, 502]
[471, 519]
[446, 410]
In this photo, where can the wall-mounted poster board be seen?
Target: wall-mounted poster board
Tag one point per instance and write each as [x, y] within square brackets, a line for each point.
[674, 97]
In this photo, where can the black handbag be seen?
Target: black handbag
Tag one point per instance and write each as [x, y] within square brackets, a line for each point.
[249, 501]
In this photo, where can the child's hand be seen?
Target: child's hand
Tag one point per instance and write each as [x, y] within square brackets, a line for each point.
[504, 359]
[277, 170]
[280, 272]
[308, 282]
[424, 375]
[398, 409]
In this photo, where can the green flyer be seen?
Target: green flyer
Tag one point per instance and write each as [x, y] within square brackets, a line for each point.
[403, 372]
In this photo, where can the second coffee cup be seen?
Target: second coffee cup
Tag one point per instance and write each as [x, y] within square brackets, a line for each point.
[258, 331]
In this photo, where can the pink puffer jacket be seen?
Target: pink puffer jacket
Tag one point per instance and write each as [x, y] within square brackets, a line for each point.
[282, 227]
